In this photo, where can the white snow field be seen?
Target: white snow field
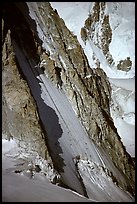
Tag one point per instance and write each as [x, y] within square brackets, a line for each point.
[21, 188]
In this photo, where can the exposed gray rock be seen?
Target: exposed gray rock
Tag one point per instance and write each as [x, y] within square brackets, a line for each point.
[125, 65]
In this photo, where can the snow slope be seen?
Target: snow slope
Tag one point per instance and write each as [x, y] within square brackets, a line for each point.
[122, 110]
[66, 11]
[102, 185]
[122, 22]
[39, 189]
[21, 188]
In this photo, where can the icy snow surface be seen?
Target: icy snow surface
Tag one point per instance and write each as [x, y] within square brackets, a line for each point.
[99, 180]
[21, 188]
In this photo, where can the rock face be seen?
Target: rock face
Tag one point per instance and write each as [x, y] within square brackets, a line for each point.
[20, 118]
[97, 27]
[66, 65]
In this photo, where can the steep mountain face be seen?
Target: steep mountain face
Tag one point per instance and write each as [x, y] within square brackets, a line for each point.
[20, 118]
[120, 47]
[70, 112]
